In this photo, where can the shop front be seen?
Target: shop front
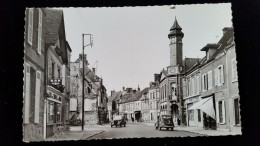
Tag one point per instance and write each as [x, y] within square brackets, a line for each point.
[137, 115]
[53, 113]
[206, 108]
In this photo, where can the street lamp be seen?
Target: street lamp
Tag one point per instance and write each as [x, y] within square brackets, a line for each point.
[83, 98]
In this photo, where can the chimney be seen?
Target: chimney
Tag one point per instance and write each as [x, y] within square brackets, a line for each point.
[94, 70]
[225, 30]
[85, 56]
[128, 90]
[156, 77]
[112, 91]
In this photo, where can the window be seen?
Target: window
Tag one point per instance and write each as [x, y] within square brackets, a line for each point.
[234, 70]
[188, 89]
[190, 112]
[198, 84]
[27, 94]
[54, 112]
[59, 73]
[199, 115]
[40, 32]
[153, 96]
[32, 95]
[237, 112]
[219, 75]
[165, 92]
[205, 82]
[209, 79]
[192, 86]
[30, 26]
[37, 97]
[150, 95]
[52, 69]
[221, 112]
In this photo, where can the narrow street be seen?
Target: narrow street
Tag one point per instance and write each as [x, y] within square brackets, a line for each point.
[139, 130]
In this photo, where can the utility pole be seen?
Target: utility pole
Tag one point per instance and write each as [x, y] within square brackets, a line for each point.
[83, 76]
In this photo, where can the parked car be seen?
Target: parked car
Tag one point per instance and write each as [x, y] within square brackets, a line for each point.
[118, 121]
[164, 121]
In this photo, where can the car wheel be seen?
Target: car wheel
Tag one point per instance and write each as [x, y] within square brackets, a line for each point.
[116, 125]
[172, 129]
[120, 125]
[111, 125]
[167, 129]
[124, 125]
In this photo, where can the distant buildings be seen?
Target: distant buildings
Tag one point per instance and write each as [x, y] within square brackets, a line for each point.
[95, 100]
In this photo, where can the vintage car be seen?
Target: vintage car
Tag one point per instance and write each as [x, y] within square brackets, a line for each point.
[164, 121]
[118, 120]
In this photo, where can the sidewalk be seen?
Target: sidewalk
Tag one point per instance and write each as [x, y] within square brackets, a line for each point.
[75, 133]
[206, 132]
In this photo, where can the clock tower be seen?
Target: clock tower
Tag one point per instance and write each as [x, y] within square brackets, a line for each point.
[175, 36]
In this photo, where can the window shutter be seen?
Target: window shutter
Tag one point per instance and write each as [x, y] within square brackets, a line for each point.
[217, 113]
[198, 84]
[216, 76]
[30, 26]
[37, 96]
[40, 32]
[27, 94]
[224, 111]
[206, 81]
[210, 79]
[203, 82]
[222, 74]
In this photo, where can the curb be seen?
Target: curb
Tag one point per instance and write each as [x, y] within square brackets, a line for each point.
[94, 135]
[194, 132]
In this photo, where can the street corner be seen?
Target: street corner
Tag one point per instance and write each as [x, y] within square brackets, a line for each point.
[89, 134]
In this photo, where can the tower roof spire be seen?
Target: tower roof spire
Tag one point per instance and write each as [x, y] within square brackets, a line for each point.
[175, 29]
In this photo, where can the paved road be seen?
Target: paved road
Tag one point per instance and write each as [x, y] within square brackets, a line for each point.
[133, 130]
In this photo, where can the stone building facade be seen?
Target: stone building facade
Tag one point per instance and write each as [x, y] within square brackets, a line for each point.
[34, 54]
[46, 87]
[217, 103]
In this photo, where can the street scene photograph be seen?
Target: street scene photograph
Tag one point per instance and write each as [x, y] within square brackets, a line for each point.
[130, 72]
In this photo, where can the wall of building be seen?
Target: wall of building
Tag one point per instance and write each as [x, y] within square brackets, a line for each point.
[32, 130]
[233, 90]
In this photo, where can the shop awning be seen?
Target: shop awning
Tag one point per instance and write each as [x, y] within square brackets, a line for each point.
[206, 105]
[198, 104]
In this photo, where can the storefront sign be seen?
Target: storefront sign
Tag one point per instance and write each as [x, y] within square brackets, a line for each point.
[55, 81]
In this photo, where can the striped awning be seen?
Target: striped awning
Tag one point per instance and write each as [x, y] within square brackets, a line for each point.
[206, 105]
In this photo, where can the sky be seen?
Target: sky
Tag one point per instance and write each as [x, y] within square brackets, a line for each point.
[130, 44]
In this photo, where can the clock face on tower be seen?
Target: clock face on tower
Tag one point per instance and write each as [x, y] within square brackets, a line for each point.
[173, 70]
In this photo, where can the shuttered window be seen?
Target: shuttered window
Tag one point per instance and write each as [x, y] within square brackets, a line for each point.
[221, 112]
[37, 97]
[216, 76]
[210, 79]
[219, 75]
[205, 81]
[198, 84]
[30, 26]
[234, 69]
[40, 32]
[27, 94]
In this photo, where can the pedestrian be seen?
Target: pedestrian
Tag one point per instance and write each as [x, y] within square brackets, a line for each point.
[179, 121]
